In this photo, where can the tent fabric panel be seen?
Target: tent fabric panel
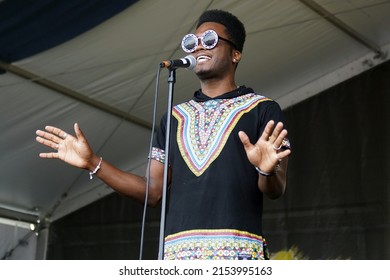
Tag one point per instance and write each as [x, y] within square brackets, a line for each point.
[48, 23]
[27, 107]
[20, 243]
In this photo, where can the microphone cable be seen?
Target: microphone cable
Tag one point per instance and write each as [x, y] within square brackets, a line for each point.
[149, 161]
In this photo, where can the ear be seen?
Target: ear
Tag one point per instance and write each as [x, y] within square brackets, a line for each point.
[236, 56]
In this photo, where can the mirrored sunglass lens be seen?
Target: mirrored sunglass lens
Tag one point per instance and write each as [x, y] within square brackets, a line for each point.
[209, 39]
[189, 43]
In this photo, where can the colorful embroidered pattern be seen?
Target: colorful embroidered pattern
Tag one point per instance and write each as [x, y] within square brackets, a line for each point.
[215, 245]
[204, 127]
[158, 154]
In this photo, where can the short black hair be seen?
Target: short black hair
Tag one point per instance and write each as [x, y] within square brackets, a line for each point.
[235, 28]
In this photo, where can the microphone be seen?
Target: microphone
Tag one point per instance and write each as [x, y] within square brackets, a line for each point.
[188, 62]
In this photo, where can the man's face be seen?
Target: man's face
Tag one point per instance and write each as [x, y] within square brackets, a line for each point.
[217, 62]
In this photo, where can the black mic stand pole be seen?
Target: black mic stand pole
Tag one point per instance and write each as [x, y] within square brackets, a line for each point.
[171, 82]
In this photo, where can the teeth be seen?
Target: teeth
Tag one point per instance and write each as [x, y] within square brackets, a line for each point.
[202, 57]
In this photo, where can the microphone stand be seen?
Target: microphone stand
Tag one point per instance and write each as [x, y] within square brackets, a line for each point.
[171, 82]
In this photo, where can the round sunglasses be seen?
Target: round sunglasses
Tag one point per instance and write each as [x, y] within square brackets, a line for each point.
[209, 40]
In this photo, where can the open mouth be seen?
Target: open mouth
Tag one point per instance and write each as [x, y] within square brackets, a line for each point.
[202, 58]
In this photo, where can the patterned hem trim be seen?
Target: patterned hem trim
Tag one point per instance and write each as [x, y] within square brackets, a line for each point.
[224, 244]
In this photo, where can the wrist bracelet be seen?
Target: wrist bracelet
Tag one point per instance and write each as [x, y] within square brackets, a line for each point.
[264, 173]
[96, 169]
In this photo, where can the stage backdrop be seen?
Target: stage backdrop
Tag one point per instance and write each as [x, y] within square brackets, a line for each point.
[336, 205]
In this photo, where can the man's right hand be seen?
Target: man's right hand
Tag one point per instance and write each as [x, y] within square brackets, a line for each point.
[74, 150]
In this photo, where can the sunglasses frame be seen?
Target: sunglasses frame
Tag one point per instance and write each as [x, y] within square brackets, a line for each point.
[196, 39]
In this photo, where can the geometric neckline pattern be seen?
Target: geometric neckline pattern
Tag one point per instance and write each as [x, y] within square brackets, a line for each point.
[204, 127]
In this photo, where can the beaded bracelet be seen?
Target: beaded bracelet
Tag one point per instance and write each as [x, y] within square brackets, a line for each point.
[96, 169]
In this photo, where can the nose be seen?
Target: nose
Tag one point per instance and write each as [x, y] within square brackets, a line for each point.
[199, 46]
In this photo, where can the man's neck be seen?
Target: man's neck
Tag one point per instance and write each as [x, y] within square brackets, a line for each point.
[216, 88]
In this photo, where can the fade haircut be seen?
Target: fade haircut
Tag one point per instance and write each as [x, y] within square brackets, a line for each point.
[235, 28]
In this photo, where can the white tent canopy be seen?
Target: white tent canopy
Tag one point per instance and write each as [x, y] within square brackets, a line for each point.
[104, 79]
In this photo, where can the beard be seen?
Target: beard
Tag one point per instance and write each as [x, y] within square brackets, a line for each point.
[213, 70]
[204, 74]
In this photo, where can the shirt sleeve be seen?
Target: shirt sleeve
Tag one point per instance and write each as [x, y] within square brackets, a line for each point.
[158, 149]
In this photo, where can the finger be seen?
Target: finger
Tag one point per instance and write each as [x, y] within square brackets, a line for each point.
[244, 139]
[48, 143]
[77, 130]
[277, 145]
[283, 154]
[57, 132]
[49, 155]
[267, 130]
[48, 136]
[275, 133]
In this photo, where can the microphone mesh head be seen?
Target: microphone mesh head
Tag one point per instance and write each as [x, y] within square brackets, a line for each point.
[192, 60]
